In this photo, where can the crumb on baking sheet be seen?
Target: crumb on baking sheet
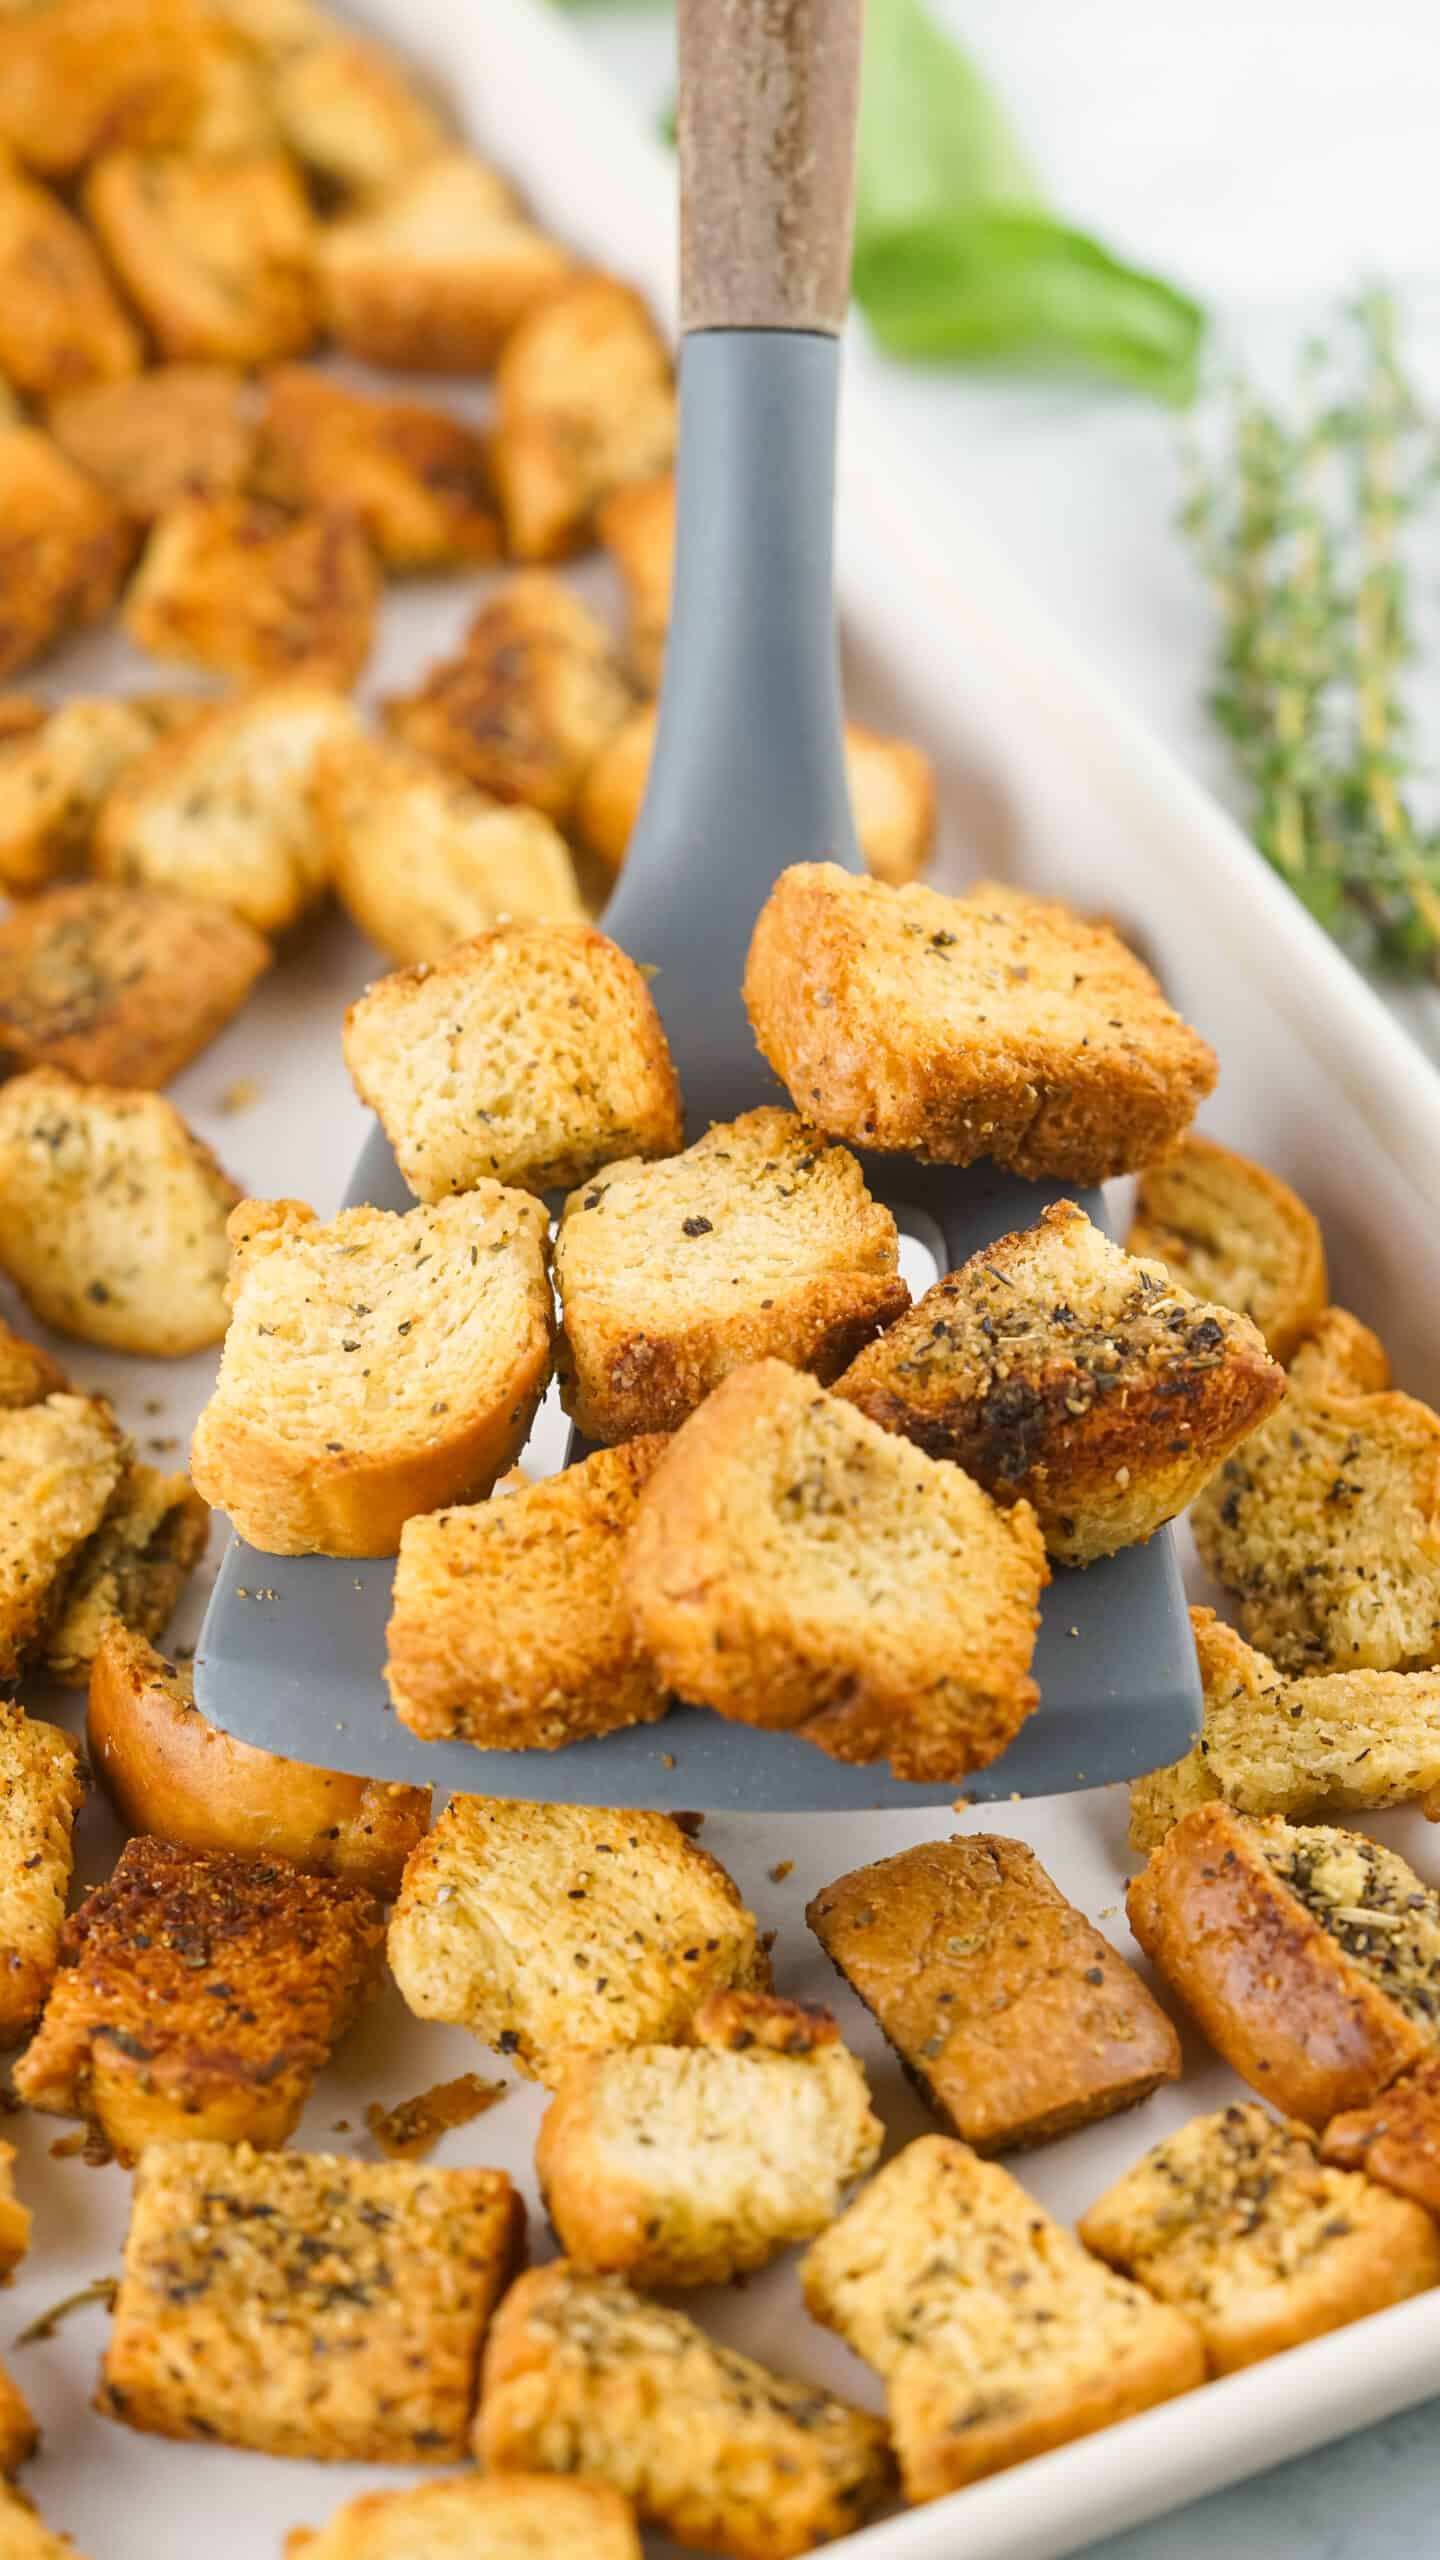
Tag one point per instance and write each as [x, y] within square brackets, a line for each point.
[411, 2129]
[242, 1095]
[782, 1868]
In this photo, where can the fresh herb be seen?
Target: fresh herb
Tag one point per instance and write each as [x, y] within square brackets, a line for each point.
[104, 2289]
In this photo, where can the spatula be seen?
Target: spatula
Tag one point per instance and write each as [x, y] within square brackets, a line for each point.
[748, 776]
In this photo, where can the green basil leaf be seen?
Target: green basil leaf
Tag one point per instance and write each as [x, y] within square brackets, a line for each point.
[933, 139]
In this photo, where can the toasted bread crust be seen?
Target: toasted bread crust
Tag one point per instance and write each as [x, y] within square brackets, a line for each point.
[62, 1458]
[87, 75]
[132, 1571]
[1229, 1230]
[513, 2518]
[239, 586]
[27, 1374]
[585, 401]
[416, 478]
[637, 527]
[216, 254]
[434, 274]
[350, 112]
[64, 548]
[41, 1792]
[19, 2436]
[181, 431]
[15, 2222]
[119, 986]
[1396, 2138]
[60, 322]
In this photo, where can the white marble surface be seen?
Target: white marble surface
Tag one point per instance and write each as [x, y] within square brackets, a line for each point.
[1270, 154]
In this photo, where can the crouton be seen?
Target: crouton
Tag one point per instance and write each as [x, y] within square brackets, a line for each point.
[234, 115]
[585, 400]
[995, 1024]
[432, 275]
[532, 1053]
[54, 780]
[120, 986]
[134, 1569]
[374, 1367]
[792, 1565]
[217, 256]
[1335, 1743]
[64, 548]
[112, 1215]
[416, 480]
[1229, 1230]
[60, 323]
[327, 2309]
[1309, 1957]
[1055, 1366]
[636, 524]
[19, 2437]
[518, 2518]
[272, 30]
[199, 1993]
[170, 1773]
[1325, 1523]
[222, 811]
[996, 2335]
[41, 1792]
[422, 861]
[1396, 2138]
[22, 2535]
[509, 1627]
[759, 1242]
[522, 710]
[82, 76]
[939, 1939]
[183, 431]
[1341, 1355]
[1236, 2222]
[240, 586]
[27, 1374]
[61, 1463]
[581, 2374]
[15, 2220]
[692, 2164]
[553, 1931]
[352, 115]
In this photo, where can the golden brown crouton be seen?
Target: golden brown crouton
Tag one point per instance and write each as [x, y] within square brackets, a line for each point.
[374, 1367]
[217, 256]
[940, 1939]
[553, 1931]
[637, 526]
[1309, 1957]
[56, 776]
[61, 1463]
[183, 431]
[759, 1242]
[996, 2335]
[328, 2309]
[1055, 1366]
[242, 587]
[422, 860]
[416, 480]
[221, 811]
[120, 986]
[1236, 2222]
[523, 709]
[1396, 2138]
[134, 1569]
[199, 1993]
[352, 115]
[1232, 1231]
[469, 2518]
[171, 1773]
[692, 2164]
[60, 323]
[432, 275]
[1325, 1523]
[19, 2437]
[583, 2375]
[112, 1215]
[64, 548]
[532, 1053]
[82, 76]
[22, 2535]
[1341, 1355]
[27, 1374]
[509, 1627]
[585, 400]
[41, 1792]
[995, 1024]
[1338, 1742]
[15, 2221]
[794, 1566]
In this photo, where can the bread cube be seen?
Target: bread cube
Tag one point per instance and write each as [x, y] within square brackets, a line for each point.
[15, 2222]
[585, 401]
[432, 275]
[1236, 2222]
[522, 710]
[64, 548]
[27, 1374]
[554, 1931]
[112, 1215]
[331, 2310]
[82, 76]
[19, 2437]
[995, 1024]
[636, 524]
[180, 431]
[120, 986]
[352, 115]
[41, 1792]
[1053, 1365]
[171, 1773]
[509, 1627]
[61, 1463]
[468, 2518]
[1339, 1356]
[199, 1993]
[1396, 2138]
[60, 322]
[55, 778]
[583, 2375]
[422, 861]
[1229, 1230]
[759, 1242]
[24, 2535]
[531, 1053]
[996, 2335]
[134, 1569]
[217, 255]
[239, 586]
[415, 479]
[374, 1367]
[222, 811]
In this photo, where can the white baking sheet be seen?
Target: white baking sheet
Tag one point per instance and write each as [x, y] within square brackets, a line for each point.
[1043, 774]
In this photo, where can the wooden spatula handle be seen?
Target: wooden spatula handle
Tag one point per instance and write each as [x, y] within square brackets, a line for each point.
[769, 92]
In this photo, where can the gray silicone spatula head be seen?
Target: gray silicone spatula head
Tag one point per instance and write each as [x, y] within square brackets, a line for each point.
[748, 776]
